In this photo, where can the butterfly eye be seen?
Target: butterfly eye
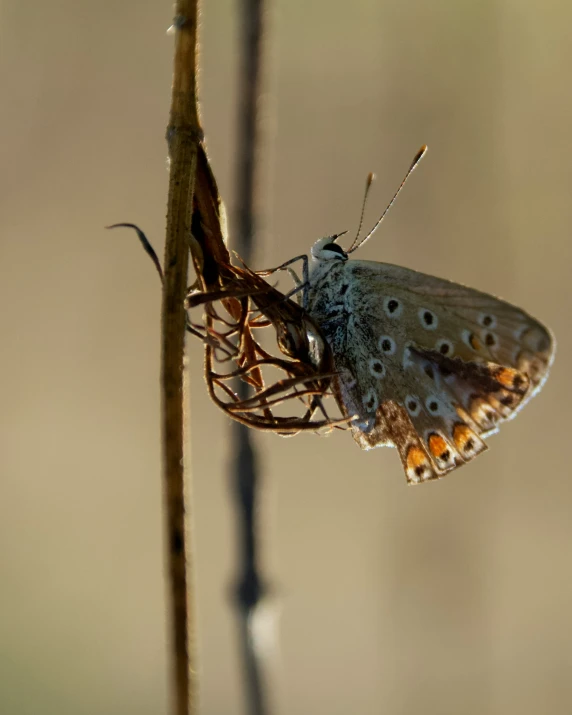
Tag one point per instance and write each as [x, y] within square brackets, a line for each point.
[387, 345]
[334, 248]
[392, 307]
[428, 319]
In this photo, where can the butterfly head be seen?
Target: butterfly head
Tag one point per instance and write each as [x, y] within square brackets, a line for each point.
[327, 250]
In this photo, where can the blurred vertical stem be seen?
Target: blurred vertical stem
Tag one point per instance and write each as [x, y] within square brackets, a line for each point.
[249, 587]
[183, 137]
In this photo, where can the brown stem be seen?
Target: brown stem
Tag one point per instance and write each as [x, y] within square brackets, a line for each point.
[183, 137]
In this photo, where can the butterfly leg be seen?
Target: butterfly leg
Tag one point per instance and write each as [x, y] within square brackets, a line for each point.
[300, 285]
[303, 258]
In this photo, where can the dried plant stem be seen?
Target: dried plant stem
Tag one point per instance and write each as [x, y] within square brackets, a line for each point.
[183, 137]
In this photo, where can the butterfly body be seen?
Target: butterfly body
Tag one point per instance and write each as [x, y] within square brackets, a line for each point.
[424, 364]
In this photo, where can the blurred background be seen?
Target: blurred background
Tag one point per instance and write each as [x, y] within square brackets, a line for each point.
[451, 598]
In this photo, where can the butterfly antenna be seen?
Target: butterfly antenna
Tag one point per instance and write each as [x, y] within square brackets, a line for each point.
[413, 166]
[368, 183]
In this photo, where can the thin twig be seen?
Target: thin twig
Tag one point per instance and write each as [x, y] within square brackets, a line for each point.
[183, 138]
[249, 587]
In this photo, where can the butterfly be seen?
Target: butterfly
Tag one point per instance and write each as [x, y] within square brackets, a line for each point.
[421, 363]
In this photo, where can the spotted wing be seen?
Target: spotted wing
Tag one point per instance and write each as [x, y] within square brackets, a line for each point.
[428, 365]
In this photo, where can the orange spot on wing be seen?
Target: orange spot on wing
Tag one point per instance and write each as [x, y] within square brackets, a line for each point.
[461, 435]
[506, 376]
[437, 445]
[418, 467]
[416, 457]
[475, 342]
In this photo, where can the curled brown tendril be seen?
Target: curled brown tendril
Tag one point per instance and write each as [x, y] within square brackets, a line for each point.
[234, 318]
[248, 310]
[240, 309]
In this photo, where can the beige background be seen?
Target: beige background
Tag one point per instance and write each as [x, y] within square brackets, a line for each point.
[452, 598]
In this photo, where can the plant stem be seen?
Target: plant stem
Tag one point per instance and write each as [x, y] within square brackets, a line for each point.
[183, 137]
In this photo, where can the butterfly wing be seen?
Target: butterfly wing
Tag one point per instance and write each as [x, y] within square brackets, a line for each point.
[425, 364]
